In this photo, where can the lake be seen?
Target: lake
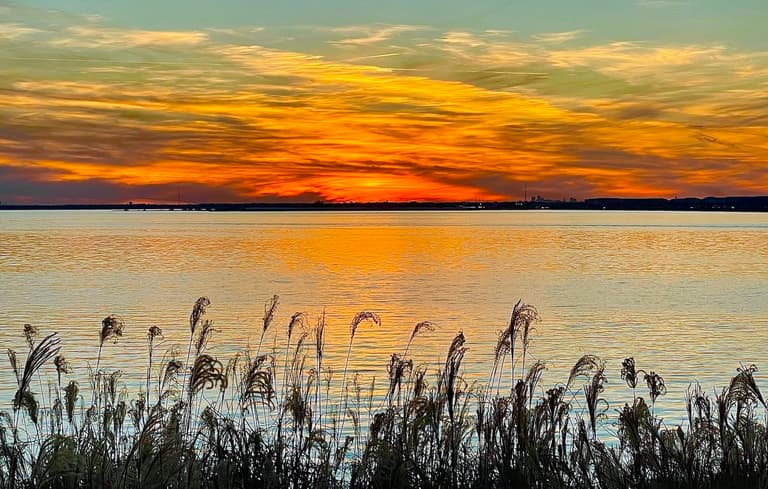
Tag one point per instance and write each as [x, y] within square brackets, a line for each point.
[686, 294]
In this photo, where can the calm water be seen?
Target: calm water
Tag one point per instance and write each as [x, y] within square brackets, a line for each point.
[685, 293]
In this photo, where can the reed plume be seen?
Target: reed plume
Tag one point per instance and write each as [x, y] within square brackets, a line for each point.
[319, 331]
[30, 334]
[153, 332]
[170, 372]
[500, 352]
[422, 327]
[451, 371]
[592, 392]
[207, 373]
[523, 315]
[298, 319]
[269, 312]
[14, 361]
[656, 386]
[270, 308]
[448, 434]
[39, 355]
[204, 336]
[111, 329]
[359, 318]
[71, 393]
[583, 367]
[533, 377]
[396, 369]
[258, 382]
[320, 337]
[62, 365]
[198, 311]
[744, 387]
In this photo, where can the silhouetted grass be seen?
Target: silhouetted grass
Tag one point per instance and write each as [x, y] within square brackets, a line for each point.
[245, 422]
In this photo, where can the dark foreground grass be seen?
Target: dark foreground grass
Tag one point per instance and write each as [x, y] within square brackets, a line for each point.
[267, 420]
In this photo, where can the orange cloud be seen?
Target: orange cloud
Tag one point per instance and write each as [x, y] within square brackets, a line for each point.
[458, 116]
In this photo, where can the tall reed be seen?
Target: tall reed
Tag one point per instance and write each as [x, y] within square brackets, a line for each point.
[433, 427]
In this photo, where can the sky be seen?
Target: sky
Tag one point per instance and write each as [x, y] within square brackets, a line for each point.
[342, 100]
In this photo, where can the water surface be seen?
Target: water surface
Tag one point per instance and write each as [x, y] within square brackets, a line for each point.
[685, 293]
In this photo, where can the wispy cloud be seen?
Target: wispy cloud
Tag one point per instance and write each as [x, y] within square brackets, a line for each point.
[559, 37]
[96, 36]
[366, 35]
[372, 113]
[11, 30]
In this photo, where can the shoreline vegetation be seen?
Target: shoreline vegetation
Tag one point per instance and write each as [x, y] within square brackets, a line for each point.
[717, 204]
[284, 419]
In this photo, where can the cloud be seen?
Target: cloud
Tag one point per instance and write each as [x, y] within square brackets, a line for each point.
[372, 113]
[366, 35]
[42, 186]
[11, 30]
[559, 37]
[94, 36]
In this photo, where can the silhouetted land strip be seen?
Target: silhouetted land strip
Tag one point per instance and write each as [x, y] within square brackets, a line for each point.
[739, 204]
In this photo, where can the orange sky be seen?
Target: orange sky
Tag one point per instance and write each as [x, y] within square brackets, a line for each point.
[95, 113]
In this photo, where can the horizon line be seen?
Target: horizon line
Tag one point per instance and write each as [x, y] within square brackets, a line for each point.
[536, 199]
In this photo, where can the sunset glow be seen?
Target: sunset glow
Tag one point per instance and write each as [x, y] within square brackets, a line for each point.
[92, 110]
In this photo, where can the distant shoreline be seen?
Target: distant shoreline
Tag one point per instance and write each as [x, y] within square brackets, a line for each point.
[717, 204]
